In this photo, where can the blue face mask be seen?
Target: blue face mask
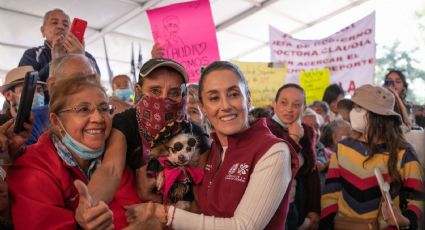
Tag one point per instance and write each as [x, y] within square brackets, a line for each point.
[37, 101]
[81, 150]
[123, 94]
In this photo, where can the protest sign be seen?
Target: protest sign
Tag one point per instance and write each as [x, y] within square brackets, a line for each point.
[314, 83]
[185, 36]
[263, 80]
[349, 54]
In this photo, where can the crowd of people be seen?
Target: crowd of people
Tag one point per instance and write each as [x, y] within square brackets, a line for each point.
[83, 159]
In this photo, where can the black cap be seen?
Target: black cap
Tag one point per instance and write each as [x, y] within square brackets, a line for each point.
[154, 63]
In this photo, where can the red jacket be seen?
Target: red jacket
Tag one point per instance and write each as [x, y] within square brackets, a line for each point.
[43, 194]
[243, 152]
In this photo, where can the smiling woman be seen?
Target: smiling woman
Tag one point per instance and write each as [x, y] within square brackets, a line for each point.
[248, 169]
[81, 122]
[286, 124]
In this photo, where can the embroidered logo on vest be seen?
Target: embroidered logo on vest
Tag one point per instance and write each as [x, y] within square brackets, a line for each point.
[233, 169]
[238, 172]
[208, 167]
[243, 169]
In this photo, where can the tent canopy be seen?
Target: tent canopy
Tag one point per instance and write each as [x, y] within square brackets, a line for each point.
[242, 26]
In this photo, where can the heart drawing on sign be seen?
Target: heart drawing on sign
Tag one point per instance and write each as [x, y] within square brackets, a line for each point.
[200, 48]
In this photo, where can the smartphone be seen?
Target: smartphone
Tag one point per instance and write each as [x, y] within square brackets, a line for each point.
[25, 103]
[388, 82]
[78, 27]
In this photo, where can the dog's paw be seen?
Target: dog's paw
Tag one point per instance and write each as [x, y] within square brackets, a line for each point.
[185, 205]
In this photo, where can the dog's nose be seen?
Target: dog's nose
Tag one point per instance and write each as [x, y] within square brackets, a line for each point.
[182, 158]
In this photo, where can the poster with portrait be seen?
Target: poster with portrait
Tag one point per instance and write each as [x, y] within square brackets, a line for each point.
[185, 36]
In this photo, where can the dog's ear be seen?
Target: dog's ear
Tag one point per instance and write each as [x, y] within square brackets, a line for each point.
[159, 151]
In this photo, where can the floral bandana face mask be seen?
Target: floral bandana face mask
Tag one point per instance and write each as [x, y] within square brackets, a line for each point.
[153, 114]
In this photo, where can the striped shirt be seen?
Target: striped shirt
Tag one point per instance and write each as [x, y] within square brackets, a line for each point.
[352, 190]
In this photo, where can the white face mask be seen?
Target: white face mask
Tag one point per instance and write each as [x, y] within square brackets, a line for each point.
[358, 120]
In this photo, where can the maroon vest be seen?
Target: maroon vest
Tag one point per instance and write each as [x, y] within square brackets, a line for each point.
[223, 187]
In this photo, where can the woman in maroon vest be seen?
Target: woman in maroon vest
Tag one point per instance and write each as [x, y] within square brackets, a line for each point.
[286, 124]
[248, 171]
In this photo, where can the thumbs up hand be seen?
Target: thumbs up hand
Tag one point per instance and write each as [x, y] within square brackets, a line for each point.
[90, 215]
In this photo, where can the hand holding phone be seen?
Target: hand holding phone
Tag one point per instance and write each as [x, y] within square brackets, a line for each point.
[388, 82]
[78, 27]
[25, 103]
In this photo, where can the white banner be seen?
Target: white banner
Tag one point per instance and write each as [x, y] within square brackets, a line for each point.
[349, 54]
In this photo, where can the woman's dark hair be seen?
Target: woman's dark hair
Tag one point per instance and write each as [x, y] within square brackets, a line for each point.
[289, 85]
[403, 79]
[387, 130]
[346, 104]
[222, 65]
[331, 93]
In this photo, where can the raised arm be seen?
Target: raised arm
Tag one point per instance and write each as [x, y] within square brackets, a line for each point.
[105, 180]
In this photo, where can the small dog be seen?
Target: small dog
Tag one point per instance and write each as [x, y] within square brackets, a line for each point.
[176, 170]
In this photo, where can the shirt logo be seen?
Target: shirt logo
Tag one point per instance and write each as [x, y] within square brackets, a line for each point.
[238, 172]
[243, 169]
[233, 169]
[208, 167]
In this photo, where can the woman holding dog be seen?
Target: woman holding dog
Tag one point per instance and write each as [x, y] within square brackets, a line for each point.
[248, 170]
[351, 193]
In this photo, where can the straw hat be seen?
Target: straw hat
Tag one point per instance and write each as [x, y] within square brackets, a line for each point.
[16, 76]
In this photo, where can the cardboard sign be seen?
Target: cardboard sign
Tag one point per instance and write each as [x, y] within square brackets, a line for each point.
[185, 36]
[314, 83]
[263, 81]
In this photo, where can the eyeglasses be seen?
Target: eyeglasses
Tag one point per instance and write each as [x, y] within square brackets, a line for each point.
[85, 110]
[178, 146]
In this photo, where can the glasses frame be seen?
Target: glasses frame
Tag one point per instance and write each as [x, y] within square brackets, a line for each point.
[92, 109]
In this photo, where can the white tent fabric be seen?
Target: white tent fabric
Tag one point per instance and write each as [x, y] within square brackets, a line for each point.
[242, 26]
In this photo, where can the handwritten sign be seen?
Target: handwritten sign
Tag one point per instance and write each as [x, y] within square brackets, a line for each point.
[314, 83]
[349, 54]
[185, 36]
[263, 81]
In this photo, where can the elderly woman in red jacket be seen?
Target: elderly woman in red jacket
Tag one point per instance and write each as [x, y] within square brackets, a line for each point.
[41, 182]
